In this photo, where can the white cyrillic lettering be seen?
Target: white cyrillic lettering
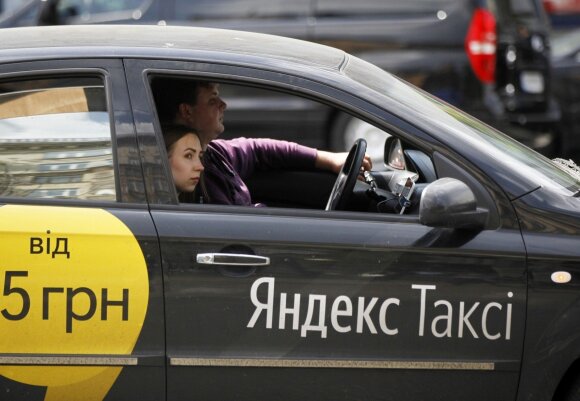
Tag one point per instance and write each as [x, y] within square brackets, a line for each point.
[124, 303]
[295, 312]
[364, 315]
[312, 299]
[57, 246]
[383, 316]
[45, 296]
[336, 312]
[423, 289]
[484, 320]
[448, 317]
[508, 322]
[268, 306]
[71, 314]
[464, 319]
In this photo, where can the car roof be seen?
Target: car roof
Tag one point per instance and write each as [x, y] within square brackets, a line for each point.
[162, 41]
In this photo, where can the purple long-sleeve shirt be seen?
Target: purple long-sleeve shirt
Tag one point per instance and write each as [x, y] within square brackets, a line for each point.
[229, 162]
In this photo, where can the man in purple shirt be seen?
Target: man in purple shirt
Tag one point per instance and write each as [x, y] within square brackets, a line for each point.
[228, 163]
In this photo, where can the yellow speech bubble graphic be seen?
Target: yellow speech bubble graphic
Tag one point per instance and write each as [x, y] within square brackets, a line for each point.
[73, 281]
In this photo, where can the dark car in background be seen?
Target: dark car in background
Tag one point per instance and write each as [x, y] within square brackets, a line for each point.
[487, 57]
[566, 84]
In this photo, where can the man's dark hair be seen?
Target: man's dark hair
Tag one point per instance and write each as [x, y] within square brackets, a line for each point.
[169, 93]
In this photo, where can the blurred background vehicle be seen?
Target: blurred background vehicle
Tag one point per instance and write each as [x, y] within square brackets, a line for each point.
[566, 85]
[563, 14]
[490, 58]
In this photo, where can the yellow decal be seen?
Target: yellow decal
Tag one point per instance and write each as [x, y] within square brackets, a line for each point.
[73, 281]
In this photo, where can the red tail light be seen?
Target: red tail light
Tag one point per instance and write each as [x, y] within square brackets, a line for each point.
[480, 45]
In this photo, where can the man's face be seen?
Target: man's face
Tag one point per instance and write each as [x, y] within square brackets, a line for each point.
[207, 116]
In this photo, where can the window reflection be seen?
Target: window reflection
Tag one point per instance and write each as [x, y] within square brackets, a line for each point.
[55, 140]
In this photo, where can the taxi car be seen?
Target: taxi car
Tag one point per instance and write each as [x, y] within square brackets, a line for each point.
[449, 272]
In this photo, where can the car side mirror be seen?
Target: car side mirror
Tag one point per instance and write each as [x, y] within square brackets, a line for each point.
[450, 203]
[394, 156]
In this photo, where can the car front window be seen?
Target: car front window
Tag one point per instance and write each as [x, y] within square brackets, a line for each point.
[462, 127]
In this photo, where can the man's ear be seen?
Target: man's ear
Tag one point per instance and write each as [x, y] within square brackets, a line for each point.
[184, 110]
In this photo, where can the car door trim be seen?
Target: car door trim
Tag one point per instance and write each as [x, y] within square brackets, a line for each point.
[331, 363]
[92, 360]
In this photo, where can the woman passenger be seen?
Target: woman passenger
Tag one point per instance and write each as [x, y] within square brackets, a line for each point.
[184, 152]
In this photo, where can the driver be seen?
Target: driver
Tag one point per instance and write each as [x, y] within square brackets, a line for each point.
[228, 163]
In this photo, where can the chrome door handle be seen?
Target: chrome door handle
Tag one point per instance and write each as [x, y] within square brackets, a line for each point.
[232, 259]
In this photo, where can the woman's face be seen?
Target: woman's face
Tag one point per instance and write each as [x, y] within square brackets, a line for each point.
[185, 162]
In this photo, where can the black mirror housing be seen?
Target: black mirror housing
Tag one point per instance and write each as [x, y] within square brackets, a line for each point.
[448, 202]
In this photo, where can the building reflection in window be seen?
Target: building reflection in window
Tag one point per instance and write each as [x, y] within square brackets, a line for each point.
[55, 140]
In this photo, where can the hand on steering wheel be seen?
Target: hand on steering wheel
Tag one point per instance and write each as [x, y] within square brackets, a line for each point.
[344, 184]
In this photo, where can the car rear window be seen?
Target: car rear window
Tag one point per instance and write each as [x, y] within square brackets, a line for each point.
[396, 8]
[508, 10]
[191, 10]
[55, 140]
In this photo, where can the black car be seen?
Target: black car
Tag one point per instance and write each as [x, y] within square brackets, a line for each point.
[490, 58]
[450, 274]
[566, 79]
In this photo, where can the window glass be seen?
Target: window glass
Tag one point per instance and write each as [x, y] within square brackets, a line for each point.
[76, 7]
[332, 7]
[55, 140]
[434, 112]
[258, 159]
[192, 10]
[516, 9]
[95, 11]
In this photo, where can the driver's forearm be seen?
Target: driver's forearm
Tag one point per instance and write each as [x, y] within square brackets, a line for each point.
[329, 161]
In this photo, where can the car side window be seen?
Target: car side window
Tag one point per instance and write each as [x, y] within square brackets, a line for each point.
[55, 140]
[248, 165]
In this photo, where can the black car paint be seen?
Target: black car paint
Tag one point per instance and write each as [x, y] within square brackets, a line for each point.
[464, 266]
[550, 309]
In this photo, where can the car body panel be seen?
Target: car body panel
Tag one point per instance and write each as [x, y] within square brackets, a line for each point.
[64, 222]
[370, 263]
[550, 321]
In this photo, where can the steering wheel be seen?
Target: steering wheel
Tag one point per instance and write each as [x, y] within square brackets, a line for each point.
[347, 177]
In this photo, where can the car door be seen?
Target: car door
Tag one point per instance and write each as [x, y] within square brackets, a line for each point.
[271, 303]
[81, 307]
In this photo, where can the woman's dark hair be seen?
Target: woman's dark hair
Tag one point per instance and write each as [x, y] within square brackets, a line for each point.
[173, 133]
